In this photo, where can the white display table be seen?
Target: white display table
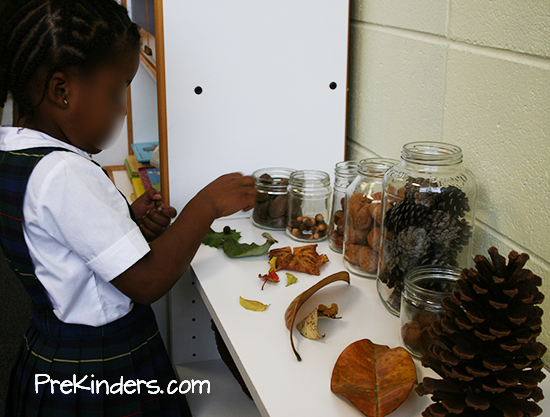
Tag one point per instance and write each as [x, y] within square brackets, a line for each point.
[259, 341]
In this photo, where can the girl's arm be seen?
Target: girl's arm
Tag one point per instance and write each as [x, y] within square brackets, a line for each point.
[171, 253]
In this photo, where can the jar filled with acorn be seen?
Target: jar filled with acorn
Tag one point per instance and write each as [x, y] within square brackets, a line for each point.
[364, 217]
[270, 210]
[344, 174]
[309, 194]
[428, 215]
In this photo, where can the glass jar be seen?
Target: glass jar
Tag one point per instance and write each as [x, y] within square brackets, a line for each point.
[344, 174]
[309, 205]
[364, 217]
[424, 289]
[270, 211]
[428, 215]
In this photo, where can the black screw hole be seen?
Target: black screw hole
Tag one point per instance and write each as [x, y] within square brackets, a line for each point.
[192, 282]
[333, 85]
[194, 354]
[194, 337]
[193, 301]
[193, 319]
[198, 90]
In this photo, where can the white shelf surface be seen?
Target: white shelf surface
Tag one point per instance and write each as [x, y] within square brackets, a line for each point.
[259, 341]
[226, 397]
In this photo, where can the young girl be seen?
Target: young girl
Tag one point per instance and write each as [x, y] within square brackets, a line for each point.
[68, 233]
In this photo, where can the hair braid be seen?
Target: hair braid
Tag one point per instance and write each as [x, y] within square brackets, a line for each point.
[56, 34]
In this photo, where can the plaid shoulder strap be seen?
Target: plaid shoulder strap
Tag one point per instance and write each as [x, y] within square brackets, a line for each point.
[15, 170]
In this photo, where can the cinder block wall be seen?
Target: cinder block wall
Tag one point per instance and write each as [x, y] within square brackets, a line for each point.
[475, 73]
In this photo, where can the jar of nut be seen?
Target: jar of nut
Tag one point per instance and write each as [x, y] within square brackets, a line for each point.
[421, 304]
[309, 205]
[428, 215]
[364, 217]
[344, 174]
[270, 211]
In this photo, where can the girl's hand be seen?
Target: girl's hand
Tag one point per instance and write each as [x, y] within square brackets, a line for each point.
[229, 194]
[152, 215]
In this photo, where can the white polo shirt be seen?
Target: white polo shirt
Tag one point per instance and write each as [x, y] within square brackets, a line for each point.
[78, 229]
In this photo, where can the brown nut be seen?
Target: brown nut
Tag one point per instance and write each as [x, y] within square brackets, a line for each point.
[374, 238]
[368, 259]
[338, 214]
[322, 227]
[309, 221]
[319, 218]
[351, 253]
[266, 178]
[340, 226]
[356, 236]
[410, 332]
[296, 233]
[317, 236]
[375, 210]
[278, 206]
[261, 197]
[299, 219]
[426, 318]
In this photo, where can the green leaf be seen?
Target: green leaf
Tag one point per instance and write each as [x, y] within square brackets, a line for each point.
[290, 279]
[216, 239]
[234, 249]
[253, 305]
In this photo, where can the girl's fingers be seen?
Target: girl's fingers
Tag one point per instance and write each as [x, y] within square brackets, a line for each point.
[153, 226]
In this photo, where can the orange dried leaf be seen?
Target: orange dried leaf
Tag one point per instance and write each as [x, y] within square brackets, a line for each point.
[375, 378]
[292, 310]
[304, 259]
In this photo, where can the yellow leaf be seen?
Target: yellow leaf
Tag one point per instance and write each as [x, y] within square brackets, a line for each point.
[273, 263]
[253, 305]
[290, 279]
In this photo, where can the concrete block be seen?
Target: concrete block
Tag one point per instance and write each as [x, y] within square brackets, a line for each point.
[521, 26]
[396, 89]
[429, 16]
[498, 111]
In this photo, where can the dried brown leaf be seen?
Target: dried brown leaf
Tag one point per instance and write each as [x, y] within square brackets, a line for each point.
[375, 378]
[292, 310]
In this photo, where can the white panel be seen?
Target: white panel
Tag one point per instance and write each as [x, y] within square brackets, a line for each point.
[265, 68]
[144, 107]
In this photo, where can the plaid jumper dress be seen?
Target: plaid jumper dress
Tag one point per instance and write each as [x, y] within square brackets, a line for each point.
[129, 348]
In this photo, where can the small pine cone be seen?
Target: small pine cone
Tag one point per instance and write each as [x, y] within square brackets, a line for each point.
[406, 213]
[412, 242]
[422, 191]
[454, 201]
[485, 346]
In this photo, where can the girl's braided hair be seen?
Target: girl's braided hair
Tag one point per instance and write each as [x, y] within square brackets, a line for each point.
[56, 34]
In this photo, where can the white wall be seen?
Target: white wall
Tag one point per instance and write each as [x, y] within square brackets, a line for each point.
[475, 73]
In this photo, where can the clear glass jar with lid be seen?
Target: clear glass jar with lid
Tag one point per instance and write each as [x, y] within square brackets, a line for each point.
[270, 211]
[309, 194]
[421, 304]
[344, 174]
[428, 215]
[364, 217]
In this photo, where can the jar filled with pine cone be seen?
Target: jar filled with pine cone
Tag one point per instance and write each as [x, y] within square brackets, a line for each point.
[485, 347]
[428, 215]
